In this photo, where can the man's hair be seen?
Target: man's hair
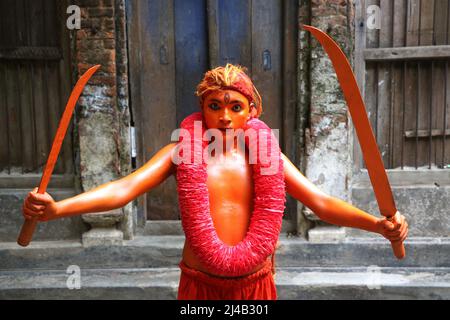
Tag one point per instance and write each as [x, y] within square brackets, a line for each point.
[232, 77]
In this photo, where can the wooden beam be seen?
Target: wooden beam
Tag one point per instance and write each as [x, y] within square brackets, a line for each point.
[426, 133]
[407, 53]
[30, 53]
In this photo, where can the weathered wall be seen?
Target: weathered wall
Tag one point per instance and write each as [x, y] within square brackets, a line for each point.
[328, 138]
[103, 117]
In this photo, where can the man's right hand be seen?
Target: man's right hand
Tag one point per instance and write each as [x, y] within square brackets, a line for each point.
[39, 205]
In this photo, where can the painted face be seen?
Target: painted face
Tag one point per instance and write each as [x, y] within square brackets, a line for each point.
[226, 109]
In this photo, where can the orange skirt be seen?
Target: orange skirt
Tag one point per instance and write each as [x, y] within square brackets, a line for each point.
[197, 285]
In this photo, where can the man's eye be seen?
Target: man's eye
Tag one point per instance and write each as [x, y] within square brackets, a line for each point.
[237, 107]
[214, 106]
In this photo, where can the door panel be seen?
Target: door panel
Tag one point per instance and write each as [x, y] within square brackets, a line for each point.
[34, 85]
[267, 58]
[191, 46]
[231, 35]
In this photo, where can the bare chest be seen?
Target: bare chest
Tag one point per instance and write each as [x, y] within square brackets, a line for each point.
[230, 188]
[230, 177]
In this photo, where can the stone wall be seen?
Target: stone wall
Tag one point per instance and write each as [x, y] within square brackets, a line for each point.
[328, 139]
[103, 118]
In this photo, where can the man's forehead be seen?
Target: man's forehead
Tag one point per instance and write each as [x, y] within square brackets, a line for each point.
[226, 95]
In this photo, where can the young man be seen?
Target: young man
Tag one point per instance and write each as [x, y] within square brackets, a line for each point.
[231, 210]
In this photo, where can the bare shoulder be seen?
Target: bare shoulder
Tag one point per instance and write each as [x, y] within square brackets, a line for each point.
[168, 149]
[287, 162]
[152, 173]
[161, 161]
[165, 154]
[284, 157]
[165, 151]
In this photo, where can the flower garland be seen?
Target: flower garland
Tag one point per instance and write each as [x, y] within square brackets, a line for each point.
[268, 203]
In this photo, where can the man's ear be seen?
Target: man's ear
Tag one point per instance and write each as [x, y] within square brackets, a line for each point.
[253, 111]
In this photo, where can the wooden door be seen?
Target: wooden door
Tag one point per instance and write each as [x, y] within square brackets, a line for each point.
[403, 70]
[172, 43]
[34, 85]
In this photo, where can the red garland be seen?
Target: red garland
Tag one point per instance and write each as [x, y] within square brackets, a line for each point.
[265, 223]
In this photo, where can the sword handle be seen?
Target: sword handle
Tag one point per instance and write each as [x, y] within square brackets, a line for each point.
[29, 225]
[26, 233]
[399, 249]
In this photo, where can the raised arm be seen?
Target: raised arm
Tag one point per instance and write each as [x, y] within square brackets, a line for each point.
[107, 196]
[336, 211]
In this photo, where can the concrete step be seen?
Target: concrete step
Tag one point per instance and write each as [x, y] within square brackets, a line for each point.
[292, 283]
[152, 283]
[364, 283]
[165, 251]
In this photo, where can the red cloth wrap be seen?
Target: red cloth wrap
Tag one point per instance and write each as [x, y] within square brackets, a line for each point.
[196, 285]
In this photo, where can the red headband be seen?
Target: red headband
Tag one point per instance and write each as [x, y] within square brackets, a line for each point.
[242, 85]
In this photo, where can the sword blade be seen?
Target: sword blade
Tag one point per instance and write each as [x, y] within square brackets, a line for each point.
[369, 147]
[28, 227]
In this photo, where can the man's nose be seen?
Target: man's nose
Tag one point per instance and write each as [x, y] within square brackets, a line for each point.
[225, 117]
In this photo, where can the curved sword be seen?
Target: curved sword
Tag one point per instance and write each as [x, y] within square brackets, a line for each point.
[26, 233]
[371, 154]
